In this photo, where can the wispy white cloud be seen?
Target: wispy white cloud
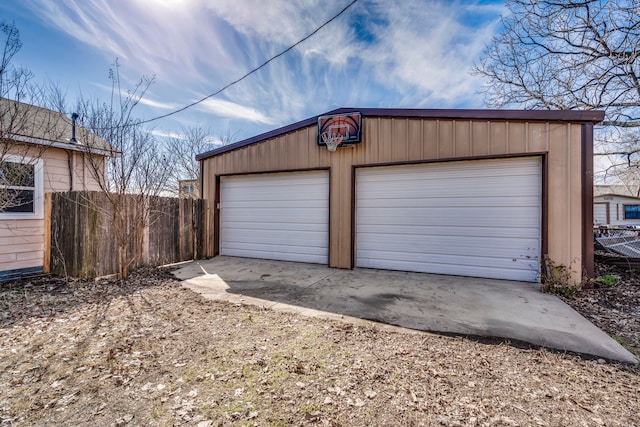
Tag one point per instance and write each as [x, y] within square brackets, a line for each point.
[166, 38]
[158, 104]
[282, 23]
[427, 52]
[167, 134]
[145, 100]
[229, 109]
[413, 53]
[210, 144]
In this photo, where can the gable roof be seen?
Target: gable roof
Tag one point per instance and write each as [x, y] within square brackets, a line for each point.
[567, 116]
[36, 125]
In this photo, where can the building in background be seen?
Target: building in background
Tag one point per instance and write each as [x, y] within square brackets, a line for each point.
[188, 188]
[616, 205]
[39, 155]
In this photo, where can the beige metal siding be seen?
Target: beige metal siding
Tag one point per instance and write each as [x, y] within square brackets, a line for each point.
[397, 140]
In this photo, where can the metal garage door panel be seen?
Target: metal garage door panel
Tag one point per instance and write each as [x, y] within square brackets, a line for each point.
[281, 216]
[472, 218]
[600, 213]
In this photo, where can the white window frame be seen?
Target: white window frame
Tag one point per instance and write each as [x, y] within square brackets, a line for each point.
[38, 191]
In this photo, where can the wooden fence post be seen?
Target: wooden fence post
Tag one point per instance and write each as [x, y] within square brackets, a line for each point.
[46, 262]
[80, 241]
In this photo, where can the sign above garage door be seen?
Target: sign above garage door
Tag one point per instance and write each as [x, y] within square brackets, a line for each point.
[348, 126]
[478, 218]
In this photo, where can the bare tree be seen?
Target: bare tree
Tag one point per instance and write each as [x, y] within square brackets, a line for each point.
[13, 80]
[137, 169]
[26, 130]
[571, 54]
[184, 147]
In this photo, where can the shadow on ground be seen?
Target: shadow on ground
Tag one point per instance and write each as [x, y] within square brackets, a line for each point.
[427, 302]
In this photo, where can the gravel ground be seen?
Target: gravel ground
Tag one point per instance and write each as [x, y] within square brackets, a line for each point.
[150, 352]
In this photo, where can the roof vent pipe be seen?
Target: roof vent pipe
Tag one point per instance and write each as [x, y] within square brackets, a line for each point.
[73, 139]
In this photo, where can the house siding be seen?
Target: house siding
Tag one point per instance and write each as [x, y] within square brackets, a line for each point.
[397, 140]
[22, 240]
[616, 205]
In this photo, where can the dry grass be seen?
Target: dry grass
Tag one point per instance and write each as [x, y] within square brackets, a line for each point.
[149, 352]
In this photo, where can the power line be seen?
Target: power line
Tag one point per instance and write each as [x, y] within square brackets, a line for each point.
[264, 64]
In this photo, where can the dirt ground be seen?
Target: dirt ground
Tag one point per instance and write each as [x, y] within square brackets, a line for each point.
[150, 352]
[615, 309]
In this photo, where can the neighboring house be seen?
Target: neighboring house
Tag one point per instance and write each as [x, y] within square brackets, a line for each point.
[38, 156]
[188, 188]
[616, 205]
[484, 193]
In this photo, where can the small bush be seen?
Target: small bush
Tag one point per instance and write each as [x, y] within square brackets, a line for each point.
[557, 280]
[607, 281]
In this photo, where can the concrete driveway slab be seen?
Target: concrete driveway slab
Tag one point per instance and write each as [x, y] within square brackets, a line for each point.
[427, 302]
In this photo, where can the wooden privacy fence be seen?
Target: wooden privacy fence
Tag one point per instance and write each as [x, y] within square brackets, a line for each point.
[82, 239]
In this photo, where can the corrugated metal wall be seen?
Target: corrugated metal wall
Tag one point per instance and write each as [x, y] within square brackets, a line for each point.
[397, 140]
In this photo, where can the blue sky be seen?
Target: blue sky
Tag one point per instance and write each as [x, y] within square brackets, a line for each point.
[380, 53]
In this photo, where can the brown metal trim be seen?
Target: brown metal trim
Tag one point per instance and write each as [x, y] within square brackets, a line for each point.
[554, 116]
[353, 217]
[269, 171]
[451, 159]
[329, 222]
[588, 263]
[312, 121]
[201, 176]
[216, 218]
[544, 220]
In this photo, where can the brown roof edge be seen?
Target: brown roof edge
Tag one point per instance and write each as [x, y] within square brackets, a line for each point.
[572, 116]
[258, 138]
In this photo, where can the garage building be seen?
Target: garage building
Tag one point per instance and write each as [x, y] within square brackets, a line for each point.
[481, 193]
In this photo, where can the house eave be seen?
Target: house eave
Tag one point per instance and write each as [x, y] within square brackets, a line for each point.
[623, 196]
[65, 146]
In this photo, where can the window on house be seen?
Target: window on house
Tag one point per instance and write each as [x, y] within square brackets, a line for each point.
[631, 211]
[20, 188]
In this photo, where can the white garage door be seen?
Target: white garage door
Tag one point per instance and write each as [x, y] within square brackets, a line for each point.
[601, 213]
[474, 218]
[281, 216]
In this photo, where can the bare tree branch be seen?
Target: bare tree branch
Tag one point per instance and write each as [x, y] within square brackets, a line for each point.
[184, 147]
[139, 167]
[22, 122]
[572, 54]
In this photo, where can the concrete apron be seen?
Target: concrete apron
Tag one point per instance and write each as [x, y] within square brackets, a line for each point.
[426, 302]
